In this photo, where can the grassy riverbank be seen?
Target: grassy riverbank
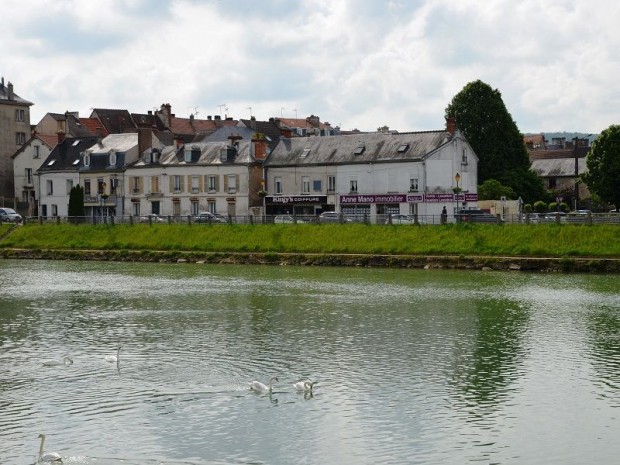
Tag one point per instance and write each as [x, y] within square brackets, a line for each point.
[600, 241]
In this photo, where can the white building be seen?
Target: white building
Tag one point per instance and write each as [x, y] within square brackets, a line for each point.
[26, 161]
[373, 174]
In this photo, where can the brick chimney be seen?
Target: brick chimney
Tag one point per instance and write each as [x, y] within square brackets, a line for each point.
[11, 95]
[145, 140]
[451, 124]
[259, 146]
[62, 135]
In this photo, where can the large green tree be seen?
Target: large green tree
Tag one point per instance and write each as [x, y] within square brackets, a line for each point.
[482, 117]
[603, 166]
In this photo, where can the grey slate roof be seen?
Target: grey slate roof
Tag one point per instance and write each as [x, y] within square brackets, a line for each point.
[17, 100]
[65, 154]
[558, 167]
[374, 147]
[208, 153]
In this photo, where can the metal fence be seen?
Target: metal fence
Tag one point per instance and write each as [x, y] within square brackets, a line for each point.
[401, 220]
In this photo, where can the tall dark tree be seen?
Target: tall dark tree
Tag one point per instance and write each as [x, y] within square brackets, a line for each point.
[603, 166]
[489, 128]
[76, 201]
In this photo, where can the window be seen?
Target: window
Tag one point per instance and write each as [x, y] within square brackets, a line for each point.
[135, 182]
[552, 183]
[113, 159]
[277, 185]
[76, 162]
[464, 157]
[135, 208]
[305, 185]
[113, 185]
[211, 206]
[305, 153]
[50, 187]
[155, 208]
[37, 151]
[54, 210]
[331, 183]
[29, 176]
[86, 186]
[20, 115]
[212, 184]
[188, 156]
[413, 185]
[195, 207]
[51, 162]
[195, 184]
[360, 149]
[353, 185]
[403, 148]
[176, 183]
[86, 160]
[316, 185]
[100, 186]
[232, 183]
[69, 186]
[176, 207]
[20, 138]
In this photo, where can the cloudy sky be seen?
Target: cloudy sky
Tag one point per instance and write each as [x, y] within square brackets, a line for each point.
[355, 63]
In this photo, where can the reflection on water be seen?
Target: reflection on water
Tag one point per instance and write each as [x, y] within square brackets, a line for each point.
[411, 366]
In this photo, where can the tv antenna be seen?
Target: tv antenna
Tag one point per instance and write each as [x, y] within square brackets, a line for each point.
[223, 105]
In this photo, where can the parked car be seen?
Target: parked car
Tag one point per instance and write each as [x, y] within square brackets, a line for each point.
[208, 217]
[287, 219]
[399, 219]
[333, 217]
[152, 218]
[9, 215]
[475, 216]
[578, 216]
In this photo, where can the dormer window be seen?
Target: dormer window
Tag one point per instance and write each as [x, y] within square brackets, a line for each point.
[112, 158]
[305, 153]
[147, 157]
[223, 154]
[188, 156]
[86, 159]
[403, 148]
[359, 149]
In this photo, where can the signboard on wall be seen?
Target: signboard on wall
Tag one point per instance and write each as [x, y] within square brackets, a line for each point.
[295, 199]
[407, 198]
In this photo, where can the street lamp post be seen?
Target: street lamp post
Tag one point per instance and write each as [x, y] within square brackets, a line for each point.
[457, 178]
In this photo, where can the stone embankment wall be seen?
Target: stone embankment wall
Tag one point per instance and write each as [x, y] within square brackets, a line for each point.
[534, 264]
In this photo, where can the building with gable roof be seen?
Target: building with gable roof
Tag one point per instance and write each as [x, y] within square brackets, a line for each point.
[373, 175]
[26, 162]
[58, 173]
[14, 132]
[222, 176]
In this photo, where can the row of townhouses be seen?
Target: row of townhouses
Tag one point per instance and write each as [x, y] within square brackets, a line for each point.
[133, 164]
[238, 171]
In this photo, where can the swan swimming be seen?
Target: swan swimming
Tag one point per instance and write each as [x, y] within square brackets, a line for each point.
[54, 363]
[50, 456]
[305, 386]
[114, 358]
[260, 387]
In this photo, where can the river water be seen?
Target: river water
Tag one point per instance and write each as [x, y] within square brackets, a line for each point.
[411, 366]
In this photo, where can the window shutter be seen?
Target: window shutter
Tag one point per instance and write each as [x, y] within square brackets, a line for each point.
[201, 184]
[171, 183]
[237, 183]
[140, 185]
[225, 183]
[182, 183]
[217, 183]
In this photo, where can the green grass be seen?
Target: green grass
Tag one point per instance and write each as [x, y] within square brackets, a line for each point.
[463, 239]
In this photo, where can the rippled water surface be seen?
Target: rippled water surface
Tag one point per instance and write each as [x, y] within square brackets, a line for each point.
[411, 366]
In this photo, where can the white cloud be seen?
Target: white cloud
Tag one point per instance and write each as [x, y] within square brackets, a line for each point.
[359, 63]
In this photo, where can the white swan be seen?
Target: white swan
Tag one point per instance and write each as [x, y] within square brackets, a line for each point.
[114, 358]
[304, 386]
[50, 456]
[260, 387]
[53, 363]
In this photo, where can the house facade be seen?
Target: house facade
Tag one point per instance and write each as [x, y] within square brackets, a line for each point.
[373, 175]
[26, 162]
[219, 177]
[58, 173]
[14, 132]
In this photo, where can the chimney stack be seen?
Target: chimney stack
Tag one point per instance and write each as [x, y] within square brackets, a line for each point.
[259, 146]
[451, 124]
[61, 136]
[11, 95]
[145, 140]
